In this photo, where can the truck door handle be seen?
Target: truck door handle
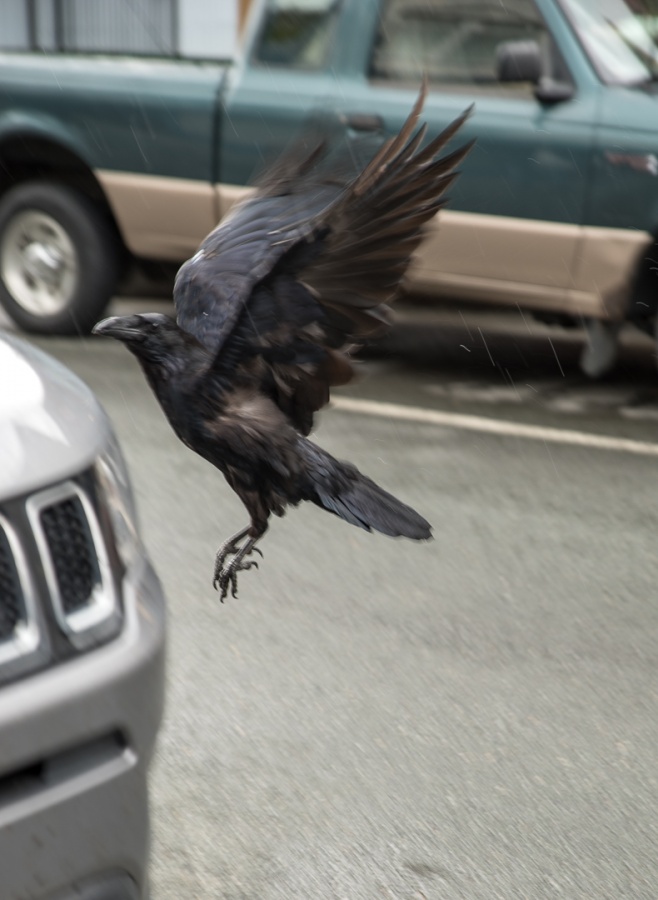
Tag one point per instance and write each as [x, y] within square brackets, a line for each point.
[364, 122]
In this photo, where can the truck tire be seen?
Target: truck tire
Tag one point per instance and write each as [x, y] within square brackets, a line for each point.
[59, 258]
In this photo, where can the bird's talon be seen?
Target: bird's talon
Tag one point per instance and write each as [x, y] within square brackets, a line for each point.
[224, 585]
[225, 577]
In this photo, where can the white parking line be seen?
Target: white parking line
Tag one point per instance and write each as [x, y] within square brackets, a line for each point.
[492, 426]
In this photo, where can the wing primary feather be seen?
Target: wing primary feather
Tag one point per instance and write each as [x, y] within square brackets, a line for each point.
[393, 146]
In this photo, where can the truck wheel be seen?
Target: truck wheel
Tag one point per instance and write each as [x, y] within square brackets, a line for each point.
[59, 259]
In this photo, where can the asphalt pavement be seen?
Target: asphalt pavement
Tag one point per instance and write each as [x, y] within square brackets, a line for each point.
[474, 717]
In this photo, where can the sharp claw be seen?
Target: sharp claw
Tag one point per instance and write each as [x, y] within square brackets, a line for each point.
[220, 583]
[225, 577]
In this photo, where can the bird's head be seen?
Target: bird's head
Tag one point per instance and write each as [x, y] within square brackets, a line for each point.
[153, 338]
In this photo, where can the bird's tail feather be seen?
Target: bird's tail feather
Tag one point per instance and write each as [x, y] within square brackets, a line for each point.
[341, 489]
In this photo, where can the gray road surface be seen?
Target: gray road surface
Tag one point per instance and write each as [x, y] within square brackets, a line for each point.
[472, 718]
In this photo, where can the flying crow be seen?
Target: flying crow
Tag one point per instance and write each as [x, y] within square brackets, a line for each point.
[267, 311]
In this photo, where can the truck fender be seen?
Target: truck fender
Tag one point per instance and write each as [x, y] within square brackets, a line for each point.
[41, 126]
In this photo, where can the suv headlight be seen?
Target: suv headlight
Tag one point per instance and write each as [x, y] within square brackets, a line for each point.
[114, 482]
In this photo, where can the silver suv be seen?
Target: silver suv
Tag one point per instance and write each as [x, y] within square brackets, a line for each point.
[81, 645]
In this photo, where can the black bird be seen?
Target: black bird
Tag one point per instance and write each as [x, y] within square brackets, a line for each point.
[266, 312]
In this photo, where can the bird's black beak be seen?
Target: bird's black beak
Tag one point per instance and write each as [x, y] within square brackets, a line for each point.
[123, 328]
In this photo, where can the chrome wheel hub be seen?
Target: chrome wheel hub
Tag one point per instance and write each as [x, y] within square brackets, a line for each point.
[38, 263]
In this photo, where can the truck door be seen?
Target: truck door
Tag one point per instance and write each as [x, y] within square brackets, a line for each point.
[286, 75]
[513, 222]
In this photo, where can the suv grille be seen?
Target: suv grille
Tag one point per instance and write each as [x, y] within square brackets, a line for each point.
[11, 595]
[57, 591]
[19, 636]
[72, 552]
[74, 558]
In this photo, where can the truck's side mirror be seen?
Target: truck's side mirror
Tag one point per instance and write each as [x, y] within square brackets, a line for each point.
[521, 61]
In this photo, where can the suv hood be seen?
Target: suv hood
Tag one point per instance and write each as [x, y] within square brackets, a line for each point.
[51, 425]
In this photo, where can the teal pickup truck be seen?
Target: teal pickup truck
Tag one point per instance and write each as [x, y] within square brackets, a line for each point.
[110, 159]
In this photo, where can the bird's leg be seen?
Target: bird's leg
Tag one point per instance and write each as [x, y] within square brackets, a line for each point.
[227, 576]
[229, 547]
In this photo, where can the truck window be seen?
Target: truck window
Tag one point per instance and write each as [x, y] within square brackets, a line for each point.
[453, 41]
[297, 33]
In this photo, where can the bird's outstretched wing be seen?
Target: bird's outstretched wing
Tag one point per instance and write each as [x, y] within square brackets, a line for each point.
[306, 267]
[213, 286]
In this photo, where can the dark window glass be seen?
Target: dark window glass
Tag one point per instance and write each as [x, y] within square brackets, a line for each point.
[297, 33]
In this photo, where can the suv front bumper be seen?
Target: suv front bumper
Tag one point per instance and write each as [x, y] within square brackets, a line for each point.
[76, 741]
